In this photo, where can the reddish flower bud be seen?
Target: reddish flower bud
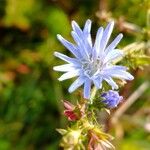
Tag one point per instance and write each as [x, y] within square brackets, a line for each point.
[74, 112]
[68, 105]
[69, 111]
[70, 115]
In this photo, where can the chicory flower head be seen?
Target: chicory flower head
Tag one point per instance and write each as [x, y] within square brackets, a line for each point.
[111, 98]
[92, 63]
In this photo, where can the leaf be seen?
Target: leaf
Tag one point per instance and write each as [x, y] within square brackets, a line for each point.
[57, 21]
[61, 131]
[136, 60]
[17, 12]
[142, 60]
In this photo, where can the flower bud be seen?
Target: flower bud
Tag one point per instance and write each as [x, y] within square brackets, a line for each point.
[74, 112]
[72, 139]
[69, 111]
[111, 98]
[99, 140]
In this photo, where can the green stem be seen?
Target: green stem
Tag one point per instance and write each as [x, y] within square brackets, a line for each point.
[94, 90]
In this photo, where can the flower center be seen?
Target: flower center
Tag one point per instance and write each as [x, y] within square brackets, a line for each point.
[92, 67]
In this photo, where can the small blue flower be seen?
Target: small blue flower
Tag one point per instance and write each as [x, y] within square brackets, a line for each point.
[111, 98]
[92, 63]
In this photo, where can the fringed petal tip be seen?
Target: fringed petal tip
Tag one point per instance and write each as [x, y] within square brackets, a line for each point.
[58, 36]
[111, 23]
[131, 77]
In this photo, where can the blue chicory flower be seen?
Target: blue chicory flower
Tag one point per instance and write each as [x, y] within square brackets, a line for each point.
[111, 98]
[92, 63]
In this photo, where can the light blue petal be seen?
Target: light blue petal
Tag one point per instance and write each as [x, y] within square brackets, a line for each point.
[86, 41]
[98, 82]
[117, 72]
[66, 58]
[69, 46]
[97, 49]
[87, 89]
[106, 35]
[114, 43]
[76, 84]
[112, 55]
[77, 29]
[81, 45]
[87, 27]
[69, 75]
[115, 68]
[87, 34]
[64, 68]
[84, 38]
[121, 75]
[110, 81]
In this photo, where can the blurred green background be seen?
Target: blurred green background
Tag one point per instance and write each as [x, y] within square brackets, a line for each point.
[30, 95]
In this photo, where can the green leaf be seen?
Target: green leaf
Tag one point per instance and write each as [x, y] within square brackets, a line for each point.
[57, 22]
[135, 56]
[62, 131]
[17, 13]
[137, 61]
[142, 60]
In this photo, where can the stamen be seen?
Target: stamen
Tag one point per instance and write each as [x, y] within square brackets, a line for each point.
[91, 67]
